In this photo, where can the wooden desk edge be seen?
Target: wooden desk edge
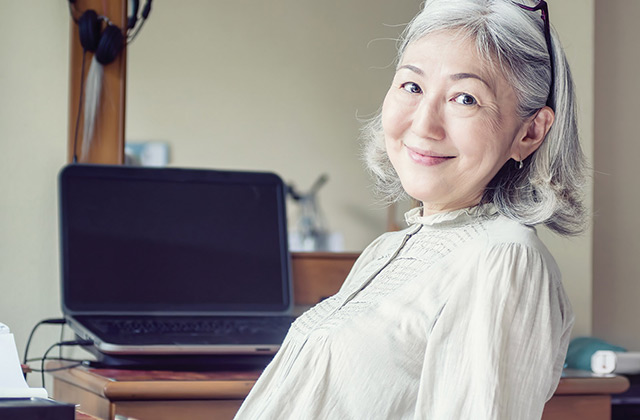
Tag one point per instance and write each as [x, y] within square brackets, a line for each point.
[239, 388]
[153, 389]
[79, 377]
[325, 255]
[178, 390]
[592, 385]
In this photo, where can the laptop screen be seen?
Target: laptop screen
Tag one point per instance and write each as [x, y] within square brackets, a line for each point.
[140, 240]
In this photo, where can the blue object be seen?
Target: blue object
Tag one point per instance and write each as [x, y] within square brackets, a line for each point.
[582, 348]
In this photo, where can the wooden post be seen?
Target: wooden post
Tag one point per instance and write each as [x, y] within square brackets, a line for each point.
[108, 139]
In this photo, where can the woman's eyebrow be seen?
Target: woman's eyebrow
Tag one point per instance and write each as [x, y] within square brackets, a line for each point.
[454, 77]
[412, 68]
[461, 76]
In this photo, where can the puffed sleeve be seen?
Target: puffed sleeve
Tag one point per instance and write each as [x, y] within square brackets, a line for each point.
[497, 348]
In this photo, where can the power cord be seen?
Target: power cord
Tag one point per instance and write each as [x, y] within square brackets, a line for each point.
[49, 321]
[60, 344]
[61, 359]
[75, 363]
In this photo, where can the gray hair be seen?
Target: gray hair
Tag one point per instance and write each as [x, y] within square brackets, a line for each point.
[547, 190]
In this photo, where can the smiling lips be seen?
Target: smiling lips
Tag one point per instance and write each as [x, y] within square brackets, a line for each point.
[426, 157]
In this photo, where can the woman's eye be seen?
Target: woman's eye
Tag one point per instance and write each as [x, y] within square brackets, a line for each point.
[465, 99]
[411, 87]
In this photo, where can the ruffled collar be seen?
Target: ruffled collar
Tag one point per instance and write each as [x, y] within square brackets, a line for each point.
[454, 217]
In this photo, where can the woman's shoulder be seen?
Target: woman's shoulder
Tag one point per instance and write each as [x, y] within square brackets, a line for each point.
[501, 230]
[507, 243]
[504, 242]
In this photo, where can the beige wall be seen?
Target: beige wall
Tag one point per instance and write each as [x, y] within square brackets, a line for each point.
[616, 291]
[209, 113]
[574, 21]
[33, 132]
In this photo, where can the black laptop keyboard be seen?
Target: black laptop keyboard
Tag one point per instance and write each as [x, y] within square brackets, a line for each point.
[209, 326]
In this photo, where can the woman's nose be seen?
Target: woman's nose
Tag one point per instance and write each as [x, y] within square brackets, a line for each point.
[428, 120]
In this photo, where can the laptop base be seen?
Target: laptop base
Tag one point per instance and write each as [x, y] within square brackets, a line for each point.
[221, 362]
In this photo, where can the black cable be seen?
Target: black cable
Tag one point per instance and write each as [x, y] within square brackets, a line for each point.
[33, 330]
[70, 366]
[61, 359]
[61, 339]
[72, 9]
[75, 136]
[145, 14]
[133, 18]
[53, 346]
[135, 33]
[62, 343]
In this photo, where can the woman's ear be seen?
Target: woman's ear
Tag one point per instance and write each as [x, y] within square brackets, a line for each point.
[536, 130]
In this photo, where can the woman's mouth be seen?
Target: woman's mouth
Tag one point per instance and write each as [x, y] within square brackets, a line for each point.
[427, 157]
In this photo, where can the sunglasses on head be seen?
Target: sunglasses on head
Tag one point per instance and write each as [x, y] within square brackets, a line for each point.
[542, 6]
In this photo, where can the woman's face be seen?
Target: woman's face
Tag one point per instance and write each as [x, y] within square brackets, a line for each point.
[449, 123]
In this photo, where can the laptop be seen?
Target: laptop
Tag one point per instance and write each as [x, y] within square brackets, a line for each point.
[168, 261]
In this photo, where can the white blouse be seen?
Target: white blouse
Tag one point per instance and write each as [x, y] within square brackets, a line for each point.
[460, 316]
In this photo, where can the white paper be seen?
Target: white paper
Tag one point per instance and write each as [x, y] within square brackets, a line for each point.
[23, 393]
[12, 382]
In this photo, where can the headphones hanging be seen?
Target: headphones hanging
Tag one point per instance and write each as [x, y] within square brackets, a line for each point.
[135, 21]
[107, 44]
[105, 40]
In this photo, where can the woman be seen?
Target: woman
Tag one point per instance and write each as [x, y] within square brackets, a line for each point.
[463, 314]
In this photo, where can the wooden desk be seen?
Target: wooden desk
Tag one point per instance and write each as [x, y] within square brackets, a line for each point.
[153, 395]
[584, 396]
[160, 395]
